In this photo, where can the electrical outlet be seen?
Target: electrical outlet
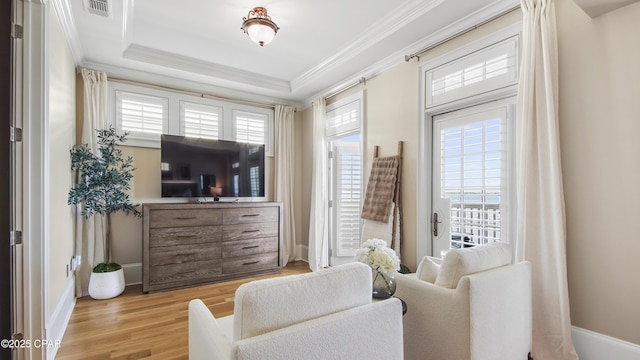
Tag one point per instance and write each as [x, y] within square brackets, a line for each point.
[74, 263]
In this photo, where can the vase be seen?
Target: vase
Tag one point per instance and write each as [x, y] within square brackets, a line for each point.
[384, 285]
[106, 285]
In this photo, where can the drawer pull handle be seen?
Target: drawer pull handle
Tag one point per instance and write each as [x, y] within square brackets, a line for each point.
[185, 236]
[251, 263]
[251, 231]
[250, 247]
[250, 215]
[185, 217]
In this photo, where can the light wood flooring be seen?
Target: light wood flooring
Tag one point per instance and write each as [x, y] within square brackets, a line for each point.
[146, 326]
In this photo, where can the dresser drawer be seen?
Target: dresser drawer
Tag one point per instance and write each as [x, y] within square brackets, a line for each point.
[181, 254]
[177, 275]
[249, 247]
[184, 235]
[249, 231]
[249, 263]
[184, 217]
[251, 215]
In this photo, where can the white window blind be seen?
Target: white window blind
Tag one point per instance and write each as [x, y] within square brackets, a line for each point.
[484, 70]
[343, 119]
[200, 120]
[250, 127]
[348, 182]
[141, 114]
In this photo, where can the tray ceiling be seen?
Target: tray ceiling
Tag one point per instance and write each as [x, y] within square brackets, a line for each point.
[321, 46]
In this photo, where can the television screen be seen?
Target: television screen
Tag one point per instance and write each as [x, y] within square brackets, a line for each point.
[195, 167]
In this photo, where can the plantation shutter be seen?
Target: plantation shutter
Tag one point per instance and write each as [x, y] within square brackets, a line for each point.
[344, 119]
[488, 69]
[141, 115]
[348, 182]
[472, 167]
[250, 127]
[199, 120]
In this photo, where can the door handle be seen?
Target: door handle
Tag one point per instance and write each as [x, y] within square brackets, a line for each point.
[435, 222]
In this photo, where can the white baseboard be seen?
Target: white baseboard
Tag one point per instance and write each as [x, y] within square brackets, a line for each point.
[132, 273]
[594, 346]
[57, 323]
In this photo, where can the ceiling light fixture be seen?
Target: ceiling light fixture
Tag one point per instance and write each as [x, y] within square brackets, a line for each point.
[259, 27]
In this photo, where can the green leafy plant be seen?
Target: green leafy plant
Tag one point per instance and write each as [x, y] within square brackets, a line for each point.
[404, 269]
[103, 182]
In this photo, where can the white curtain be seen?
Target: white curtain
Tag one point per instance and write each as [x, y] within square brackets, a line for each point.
[541, 214]
[318, 221]
[284, 161]
[90, 233]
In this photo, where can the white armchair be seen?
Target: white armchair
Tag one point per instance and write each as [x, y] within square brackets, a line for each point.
[477, 308]
[327, 314]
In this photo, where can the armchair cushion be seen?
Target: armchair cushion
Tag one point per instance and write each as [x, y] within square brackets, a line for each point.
[322, 292]
[460, 262]
[428, 269]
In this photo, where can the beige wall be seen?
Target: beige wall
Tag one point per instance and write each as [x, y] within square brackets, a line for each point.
[599, 110]
[390, 115]
[62, 106]
[145, 188]
[599, 126]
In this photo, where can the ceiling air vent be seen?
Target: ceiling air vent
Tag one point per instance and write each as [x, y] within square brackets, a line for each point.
[98, 7]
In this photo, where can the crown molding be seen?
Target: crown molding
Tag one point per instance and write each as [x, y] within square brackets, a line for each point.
[471, 21]
[193, 65]
[154, 79]
[62, 10]
[411, 10]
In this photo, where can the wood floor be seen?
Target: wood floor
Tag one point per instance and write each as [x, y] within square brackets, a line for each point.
[145, 326]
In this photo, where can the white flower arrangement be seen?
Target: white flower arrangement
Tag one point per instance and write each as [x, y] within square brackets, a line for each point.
[376, 254]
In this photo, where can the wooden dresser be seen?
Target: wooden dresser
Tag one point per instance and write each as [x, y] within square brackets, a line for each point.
[192, 244]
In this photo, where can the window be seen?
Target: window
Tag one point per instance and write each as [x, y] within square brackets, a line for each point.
[466, 181]
[473, 174]
[200, 120]
[343, 120]
[484, 70]
[143, 116]
[146, 113]
[348, 184]
[249, 127]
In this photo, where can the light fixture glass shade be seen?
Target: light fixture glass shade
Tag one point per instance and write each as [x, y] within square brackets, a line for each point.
[260, 34]
[259, 27]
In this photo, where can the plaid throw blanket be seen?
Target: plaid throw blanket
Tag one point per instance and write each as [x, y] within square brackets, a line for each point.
[380, 189]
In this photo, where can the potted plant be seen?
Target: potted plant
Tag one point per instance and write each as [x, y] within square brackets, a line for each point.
[102, 187]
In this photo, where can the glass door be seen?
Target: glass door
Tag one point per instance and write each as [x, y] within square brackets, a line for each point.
[472, 176]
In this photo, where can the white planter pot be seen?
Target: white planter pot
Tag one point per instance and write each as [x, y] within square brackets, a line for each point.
[106, 285]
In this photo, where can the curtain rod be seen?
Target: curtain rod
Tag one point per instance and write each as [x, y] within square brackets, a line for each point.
[362, 80]
[416, 54]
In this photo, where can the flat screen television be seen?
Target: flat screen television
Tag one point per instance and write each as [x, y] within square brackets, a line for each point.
[196, 167]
